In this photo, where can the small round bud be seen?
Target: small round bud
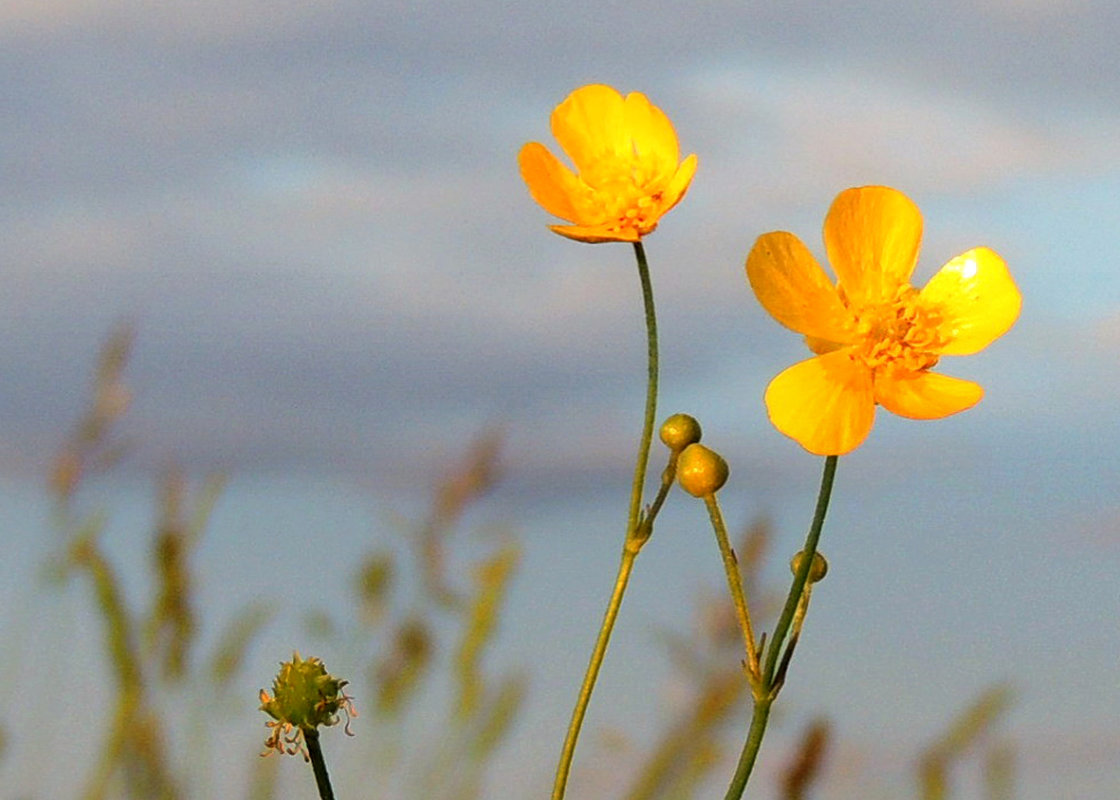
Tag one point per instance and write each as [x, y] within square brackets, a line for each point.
[701, 471]
[679, 431]
[818, 569]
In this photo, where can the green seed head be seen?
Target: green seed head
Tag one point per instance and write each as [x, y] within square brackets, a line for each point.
[304, 696]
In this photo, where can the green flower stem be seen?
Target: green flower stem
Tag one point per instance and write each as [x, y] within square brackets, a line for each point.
[636, 490]
[668, 476]
[564, 768]
[759, 717]
[769, 686]
[318, 765]
[735, 585]
[802, 575]
[637, 532]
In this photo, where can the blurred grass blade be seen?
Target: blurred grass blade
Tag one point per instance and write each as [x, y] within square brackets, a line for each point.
[805, 766]
[229, 655]
[492, 578]
[963, 733]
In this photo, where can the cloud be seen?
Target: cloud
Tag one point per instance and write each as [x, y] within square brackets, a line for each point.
[805, 131]
[212, 19]
[313, 211]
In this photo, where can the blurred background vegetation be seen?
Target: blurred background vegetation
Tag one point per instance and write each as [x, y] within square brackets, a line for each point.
[427, 604]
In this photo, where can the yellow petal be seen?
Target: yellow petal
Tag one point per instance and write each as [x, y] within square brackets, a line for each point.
[791, 285]
[550, 183]
[925, 395]
[976, 298]
[872, 235]
[652, 136]
[591, 127]
[679, 183]
[826, 403]
[596, 234]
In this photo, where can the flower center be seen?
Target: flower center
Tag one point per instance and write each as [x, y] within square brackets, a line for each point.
[624, 198]
[900, 334]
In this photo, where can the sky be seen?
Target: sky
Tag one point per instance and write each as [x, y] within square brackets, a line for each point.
[312, 216]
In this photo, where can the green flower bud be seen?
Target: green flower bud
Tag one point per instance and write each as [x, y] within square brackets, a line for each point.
[816, 572]
[679, 431]
[701, 471]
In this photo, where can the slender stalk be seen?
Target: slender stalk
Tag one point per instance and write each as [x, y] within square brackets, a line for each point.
[645, 525]
[802, 575]
[735, 585]
[651, 392]
[318, 765]
[769, 686]
[637, 531]
[564, 768]
[759, 717]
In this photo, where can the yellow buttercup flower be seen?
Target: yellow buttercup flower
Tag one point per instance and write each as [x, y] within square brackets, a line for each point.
[875, 336]
[628, 169]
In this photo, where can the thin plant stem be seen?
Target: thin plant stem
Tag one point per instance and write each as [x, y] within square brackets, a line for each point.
[759, 717]
[769, 686]
[668, 476]
[579, 712]
[637, 532]
[318, 765]
[735, 586]
[809, 550]
[642, 461]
